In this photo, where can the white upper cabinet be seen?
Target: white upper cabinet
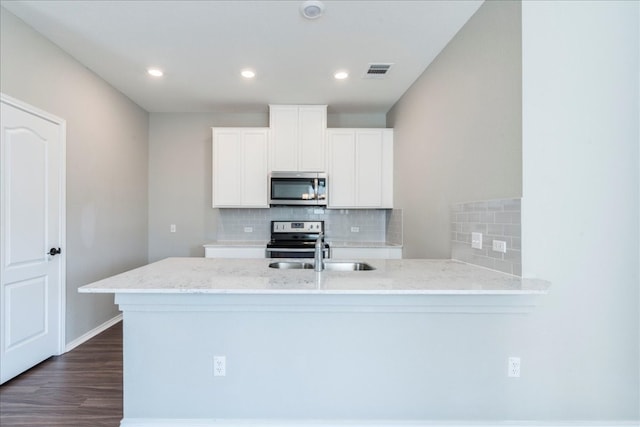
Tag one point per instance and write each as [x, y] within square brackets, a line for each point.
[297, 137]
[240, 167]
[360, 168]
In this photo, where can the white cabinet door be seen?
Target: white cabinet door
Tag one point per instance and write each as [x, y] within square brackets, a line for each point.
[254, 168]
[342, 158]
[368, 169]
[283, 120]
[312, 126]
[227, 148]
[240, 167]
[297, 137]
[360, 168]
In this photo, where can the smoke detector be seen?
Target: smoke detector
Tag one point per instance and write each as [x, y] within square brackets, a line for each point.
[312, 9]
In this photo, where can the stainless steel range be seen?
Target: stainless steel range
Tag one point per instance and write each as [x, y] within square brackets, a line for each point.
[295, 239]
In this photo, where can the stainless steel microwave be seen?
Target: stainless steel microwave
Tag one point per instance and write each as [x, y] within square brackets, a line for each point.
[298, 188]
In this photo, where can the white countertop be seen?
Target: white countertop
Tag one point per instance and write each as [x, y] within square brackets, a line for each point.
[253, 276]
[237, 243]
[345, 244]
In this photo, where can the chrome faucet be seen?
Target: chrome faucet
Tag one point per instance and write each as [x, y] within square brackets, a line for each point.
[318, 263]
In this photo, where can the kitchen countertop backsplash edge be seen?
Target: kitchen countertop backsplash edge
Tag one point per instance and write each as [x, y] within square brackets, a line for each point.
[334, 244]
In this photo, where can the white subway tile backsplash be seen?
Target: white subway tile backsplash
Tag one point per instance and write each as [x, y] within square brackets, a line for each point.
[495, 205]
[375, 225]
[513, 205]
[495, 229]
[512, 230]
[503, 217]
[498, 220]
[516, 243]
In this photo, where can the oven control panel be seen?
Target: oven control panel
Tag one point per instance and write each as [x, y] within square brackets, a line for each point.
[297, 226]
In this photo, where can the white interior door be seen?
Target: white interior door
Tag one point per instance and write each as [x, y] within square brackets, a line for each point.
[31, 224]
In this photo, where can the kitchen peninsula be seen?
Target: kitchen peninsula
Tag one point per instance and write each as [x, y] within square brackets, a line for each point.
[297, 345]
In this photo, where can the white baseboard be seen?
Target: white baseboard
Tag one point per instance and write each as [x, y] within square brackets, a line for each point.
[147, 422]
[92, 333]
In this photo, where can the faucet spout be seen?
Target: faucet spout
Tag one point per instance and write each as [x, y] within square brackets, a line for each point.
[319, 251]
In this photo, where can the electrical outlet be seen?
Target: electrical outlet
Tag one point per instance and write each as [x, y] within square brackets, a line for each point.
[355, 229]
[476, 240]
[500, 246]
[219, 366]
[172, 228]
[248, 229]
[513, 367]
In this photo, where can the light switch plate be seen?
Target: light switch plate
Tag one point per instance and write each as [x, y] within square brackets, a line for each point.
[476, 240]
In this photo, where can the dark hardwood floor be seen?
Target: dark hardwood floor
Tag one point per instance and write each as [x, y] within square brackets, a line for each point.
[81, 388]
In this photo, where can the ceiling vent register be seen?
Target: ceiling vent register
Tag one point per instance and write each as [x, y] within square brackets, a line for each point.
[377, 71]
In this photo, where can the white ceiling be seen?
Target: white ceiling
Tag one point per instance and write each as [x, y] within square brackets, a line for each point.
[202, 46]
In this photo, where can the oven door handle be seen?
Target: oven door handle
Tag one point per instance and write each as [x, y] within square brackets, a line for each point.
[289, 250]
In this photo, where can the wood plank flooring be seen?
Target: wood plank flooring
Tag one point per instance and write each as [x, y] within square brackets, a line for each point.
[81, 388]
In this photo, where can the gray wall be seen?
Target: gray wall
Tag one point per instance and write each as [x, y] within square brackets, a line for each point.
[180, 180]
[580, 202]
[458, 129]
[180, 175]
[107, 138]
[579, 348]
[327, 360]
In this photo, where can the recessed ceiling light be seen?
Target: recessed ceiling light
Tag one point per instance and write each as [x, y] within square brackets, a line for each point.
[311, 9]
[155, 72]
[248, 74]
[341, 75]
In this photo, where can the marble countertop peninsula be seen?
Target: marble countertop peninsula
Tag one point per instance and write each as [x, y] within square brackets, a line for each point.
[253, 276]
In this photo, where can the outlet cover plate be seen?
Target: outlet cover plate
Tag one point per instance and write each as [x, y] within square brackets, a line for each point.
[500, 246]
[514, 367]
[219, 366]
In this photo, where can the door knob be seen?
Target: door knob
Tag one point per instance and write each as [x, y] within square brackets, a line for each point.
[55, 251]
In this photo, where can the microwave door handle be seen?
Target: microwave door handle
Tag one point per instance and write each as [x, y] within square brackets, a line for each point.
[316, 190]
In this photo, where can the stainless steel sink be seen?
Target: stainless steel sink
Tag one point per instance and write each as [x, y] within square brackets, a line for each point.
[291, 265]
[347, 266]
[328, 265]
